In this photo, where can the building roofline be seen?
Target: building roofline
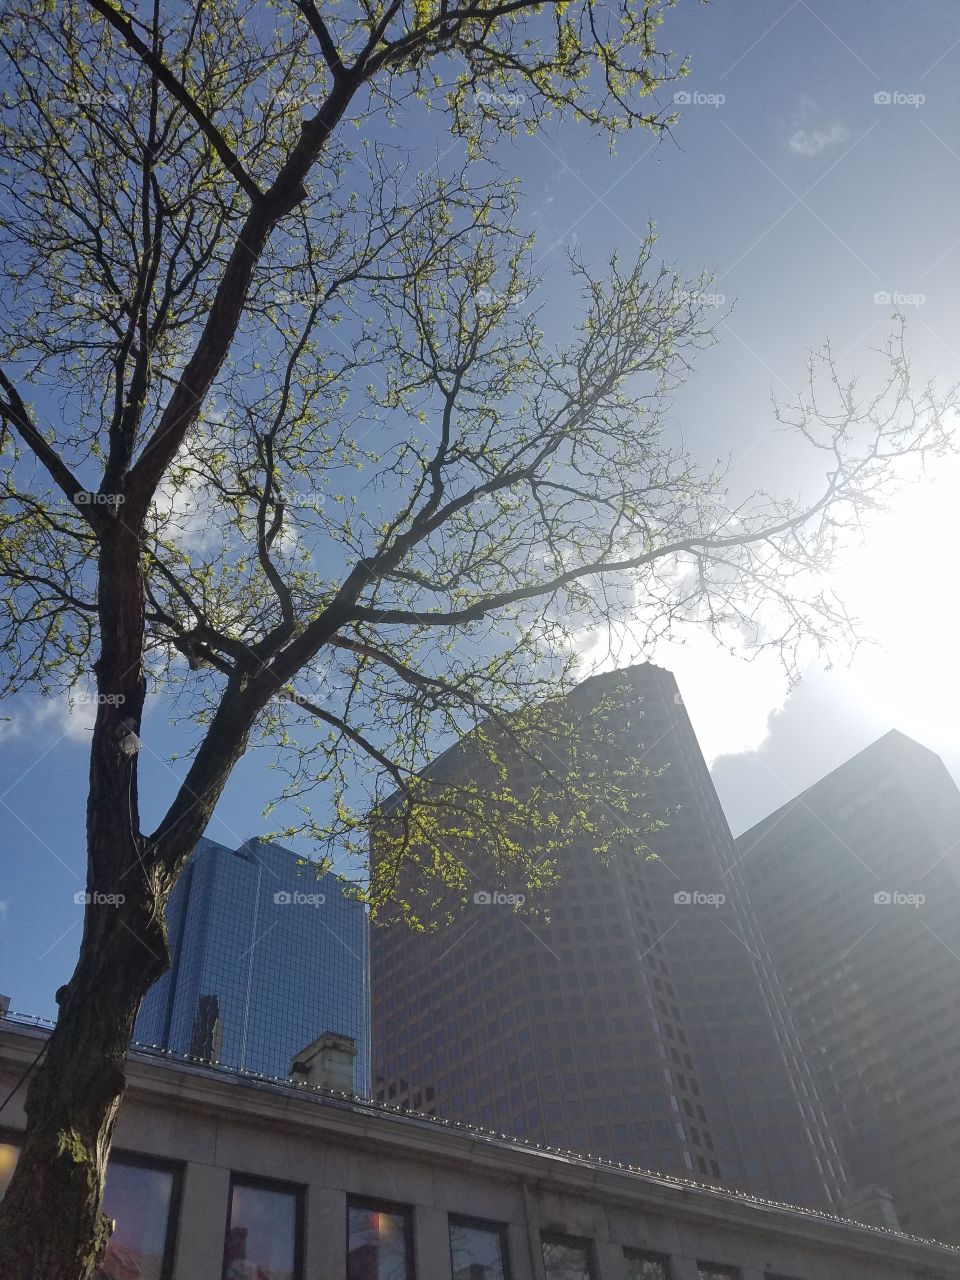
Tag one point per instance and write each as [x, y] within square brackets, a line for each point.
[153, 1070]
[387, 805]
[892, 736]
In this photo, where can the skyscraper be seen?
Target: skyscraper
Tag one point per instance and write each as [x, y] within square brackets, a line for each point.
[643, 1023]
[264, 959]
[856, 886]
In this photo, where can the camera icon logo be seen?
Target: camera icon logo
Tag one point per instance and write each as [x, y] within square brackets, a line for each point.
[682, 898]
[81, 899]
[682, 98]
[883, 899]
[482, 898]
[282, 898]
[883, 98]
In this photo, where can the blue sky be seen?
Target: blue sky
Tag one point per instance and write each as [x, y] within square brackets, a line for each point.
[807, 198]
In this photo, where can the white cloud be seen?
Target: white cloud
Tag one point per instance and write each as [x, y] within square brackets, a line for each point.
[811, 142]
[729, 700]
[34, 717]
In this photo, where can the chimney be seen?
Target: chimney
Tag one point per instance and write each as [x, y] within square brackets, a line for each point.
[871, 1205]
[4, 1006]
[327, 1063]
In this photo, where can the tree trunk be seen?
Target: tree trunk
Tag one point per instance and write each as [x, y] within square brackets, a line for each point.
[51, 1226]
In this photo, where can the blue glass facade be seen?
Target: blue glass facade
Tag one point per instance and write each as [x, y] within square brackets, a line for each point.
[265, 957]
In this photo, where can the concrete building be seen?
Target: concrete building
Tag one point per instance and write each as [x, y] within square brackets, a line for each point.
[857, 890]
[217, 1174]
[264, 958]
[644, 1023]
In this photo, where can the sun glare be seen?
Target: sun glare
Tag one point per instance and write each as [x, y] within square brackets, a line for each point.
[903, 584]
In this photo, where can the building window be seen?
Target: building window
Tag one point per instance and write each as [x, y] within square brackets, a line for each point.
[566, 1258]
[379, 1241]
[8, 1162]
[264, 1231]
[641, 1265]
[478, 1250]
[718, 1271]
[142, 1197]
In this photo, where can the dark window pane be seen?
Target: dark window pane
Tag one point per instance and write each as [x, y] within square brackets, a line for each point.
[378, 1244]
[138, 1199]
[565, 1259]
[477, 1251]
[646, 1266]
[261, 1241]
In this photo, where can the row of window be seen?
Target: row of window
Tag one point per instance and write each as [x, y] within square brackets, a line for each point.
[263, 1238]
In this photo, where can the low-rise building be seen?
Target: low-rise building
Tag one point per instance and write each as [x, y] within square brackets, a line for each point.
[218, 1173]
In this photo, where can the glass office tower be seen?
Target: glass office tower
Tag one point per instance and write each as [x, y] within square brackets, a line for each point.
[265, 957]
[644, 1022]
[856, 885]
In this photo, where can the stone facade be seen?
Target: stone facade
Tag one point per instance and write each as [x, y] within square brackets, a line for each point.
[214, 1126]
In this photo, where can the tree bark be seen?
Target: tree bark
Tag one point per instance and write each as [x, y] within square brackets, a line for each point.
[51, 1226]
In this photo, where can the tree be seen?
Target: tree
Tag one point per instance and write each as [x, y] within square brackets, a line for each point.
[222, 300]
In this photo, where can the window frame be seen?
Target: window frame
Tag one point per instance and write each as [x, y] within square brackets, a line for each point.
[562, 1237]
[724, 1270]
[376, 1205]
[139, 1160]
[258, 1183]
[631, 1254]
[483, 1224]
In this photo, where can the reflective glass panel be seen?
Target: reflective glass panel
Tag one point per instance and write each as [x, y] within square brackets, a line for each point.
[378, 1245]
[261, 1241]
[477, 1251]
[566, 1259]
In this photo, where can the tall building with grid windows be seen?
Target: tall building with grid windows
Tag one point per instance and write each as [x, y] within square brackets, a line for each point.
[643, 1023]
[264, 959]
[856, 884]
